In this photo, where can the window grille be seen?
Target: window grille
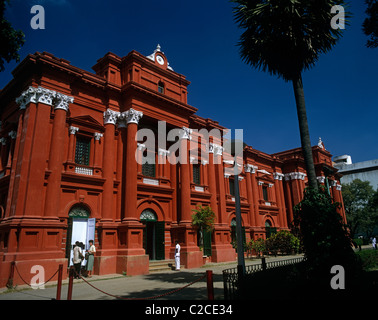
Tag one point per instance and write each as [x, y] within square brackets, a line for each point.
[82, 151]
[196, 174]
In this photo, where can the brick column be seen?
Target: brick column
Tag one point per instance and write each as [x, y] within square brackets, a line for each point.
[248, 172]
[212, 180]
[186, 214]
[132, 119]
[110, 119]
[58, 136]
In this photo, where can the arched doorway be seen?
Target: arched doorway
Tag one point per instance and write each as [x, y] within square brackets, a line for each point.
[153, 235]
[269, 229]
[80, 228]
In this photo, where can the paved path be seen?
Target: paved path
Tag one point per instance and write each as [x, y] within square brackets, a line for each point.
[139, 287]
[143, 286]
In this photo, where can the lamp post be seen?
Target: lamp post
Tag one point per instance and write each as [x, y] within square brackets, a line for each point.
[238, 145]
[239, 230]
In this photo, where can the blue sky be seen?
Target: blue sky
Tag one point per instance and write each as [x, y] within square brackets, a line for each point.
[199, 38]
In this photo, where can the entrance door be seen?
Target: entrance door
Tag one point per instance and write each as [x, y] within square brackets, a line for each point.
[153, 235]
[80, 228]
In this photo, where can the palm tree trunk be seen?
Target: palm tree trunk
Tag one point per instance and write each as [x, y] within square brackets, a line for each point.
[304, 132]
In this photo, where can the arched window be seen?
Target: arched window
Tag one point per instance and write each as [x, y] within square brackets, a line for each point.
[148, 215]
[79, 211]
[161, 87]
[269, 230]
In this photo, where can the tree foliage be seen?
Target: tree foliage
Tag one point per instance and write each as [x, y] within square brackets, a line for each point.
[370, 24]
[203, 219]
[285, 37]
[325, 238]
[11, 40]
[360, 207]
[282, 242]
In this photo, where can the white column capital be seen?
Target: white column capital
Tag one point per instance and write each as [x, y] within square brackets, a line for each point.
[45, 96]
[163, 152]
[131, 116]
[185, 133]
[110, 116]
[278, 176]
[98, 136]
[250, 168]
[3, 141]
[13, 134]
[62, 101]
[294, 176]
[73, 129]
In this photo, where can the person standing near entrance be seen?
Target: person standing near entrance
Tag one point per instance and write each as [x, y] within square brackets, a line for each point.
[77, 259]
[90, 260]
[177, 256]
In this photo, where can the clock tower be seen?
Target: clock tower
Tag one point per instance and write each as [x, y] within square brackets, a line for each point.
[159, 58]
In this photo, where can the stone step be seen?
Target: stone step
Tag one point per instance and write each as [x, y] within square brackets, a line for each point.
[162, 265]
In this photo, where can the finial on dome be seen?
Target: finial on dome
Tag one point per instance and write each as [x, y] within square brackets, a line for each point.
[158, 47]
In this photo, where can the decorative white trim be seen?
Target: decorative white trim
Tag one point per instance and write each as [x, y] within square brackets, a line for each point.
[131, 116]
[332, 183]
[110, 116]
[260, 183]
[250, 168]
[321, 179]
[278, 176]
[141, 146]
[45, 96]
[199, 189]
[185, 133]
[263, 171]
[12, 134]
[152, 56]
[29, 95]
[62, 101]
[163, 152]
[240, 178]
[227, 175]
[151, 181]
[73, 129]
[204, 162]
[295, 176]
[270, 185]
[82, 170]
[98, 136]
[228, 161]
[3, 141]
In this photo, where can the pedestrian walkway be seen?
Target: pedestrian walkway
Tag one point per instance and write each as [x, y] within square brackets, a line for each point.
[160, 284]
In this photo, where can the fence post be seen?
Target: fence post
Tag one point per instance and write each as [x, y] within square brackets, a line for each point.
[59, 286]
[263, 263]
[70, 283]
[210, 285]
[11, 276]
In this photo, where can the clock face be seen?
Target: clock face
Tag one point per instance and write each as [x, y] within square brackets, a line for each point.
[160, 60]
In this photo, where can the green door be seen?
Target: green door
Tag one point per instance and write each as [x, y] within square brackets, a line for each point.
[160, 240]
[207, 243]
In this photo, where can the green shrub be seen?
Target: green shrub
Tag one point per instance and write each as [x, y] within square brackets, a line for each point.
[284, 242]
[369, 258]
[325, 239]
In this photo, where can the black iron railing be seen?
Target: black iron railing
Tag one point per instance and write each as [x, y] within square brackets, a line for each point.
[231, 276]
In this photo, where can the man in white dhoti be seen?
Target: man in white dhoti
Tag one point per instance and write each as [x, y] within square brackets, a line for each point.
[177, 256]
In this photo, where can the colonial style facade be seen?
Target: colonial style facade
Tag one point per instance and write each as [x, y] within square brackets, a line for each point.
[70, 169]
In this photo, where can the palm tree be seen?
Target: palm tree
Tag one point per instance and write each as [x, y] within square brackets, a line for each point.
[284, 38]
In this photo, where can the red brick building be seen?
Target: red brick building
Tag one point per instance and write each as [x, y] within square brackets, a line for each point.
[69, 169]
